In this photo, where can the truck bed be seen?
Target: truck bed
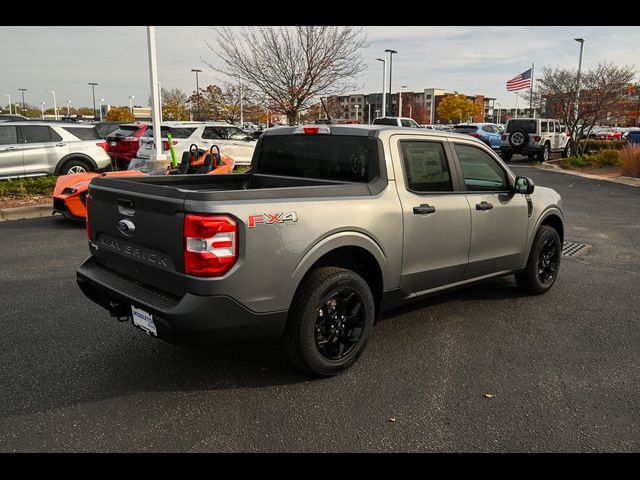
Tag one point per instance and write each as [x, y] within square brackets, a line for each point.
[234, 186]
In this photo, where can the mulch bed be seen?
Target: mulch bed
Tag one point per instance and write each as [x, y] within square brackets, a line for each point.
[11, 201]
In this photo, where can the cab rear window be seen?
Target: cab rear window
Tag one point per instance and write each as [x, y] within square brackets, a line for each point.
[328, 157]
[528, 126]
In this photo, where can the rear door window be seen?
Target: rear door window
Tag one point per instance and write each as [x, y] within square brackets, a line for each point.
[35, 134]
[464, 129]
[124, 131]
[426, 167]
[8, 135]
[385, 121]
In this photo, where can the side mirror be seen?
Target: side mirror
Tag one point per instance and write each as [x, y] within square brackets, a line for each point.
[524, 185]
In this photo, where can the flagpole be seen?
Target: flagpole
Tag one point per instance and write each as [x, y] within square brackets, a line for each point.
[533, 115]
[516, 105]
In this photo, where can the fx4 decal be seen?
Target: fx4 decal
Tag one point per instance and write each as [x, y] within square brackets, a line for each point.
[270, 218]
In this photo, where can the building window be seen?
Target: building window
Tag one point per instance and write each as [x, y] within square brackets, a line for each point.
[429, 97]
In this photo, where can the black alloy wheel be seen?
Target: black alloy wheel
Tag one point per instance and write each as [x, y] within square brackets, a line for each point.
[339, 324]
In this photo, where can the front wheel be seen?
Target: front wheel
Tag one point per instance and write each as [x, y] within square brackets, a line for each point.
[543, 264]
[330, 321]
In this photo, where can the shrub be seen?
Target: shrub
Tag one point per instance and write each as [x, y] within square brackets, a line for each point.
[28, 186]
[630, 156]
[581, 162]
[597, 145]
[608, 157]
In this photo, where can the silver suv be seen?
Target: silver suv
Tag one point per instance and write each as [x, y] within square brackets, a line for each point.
[31, 149]
[535, 137]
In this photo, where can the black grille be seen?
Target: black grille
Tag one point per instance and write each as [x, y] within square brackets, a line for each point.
[59, 205]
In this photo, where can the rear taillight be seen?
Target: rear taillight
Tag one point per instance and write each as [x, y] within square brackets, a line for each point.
[210, 245]
[104, 145]
[86, 206]
[166, 146]
[504, 137]
[537, 138]
[475, 134]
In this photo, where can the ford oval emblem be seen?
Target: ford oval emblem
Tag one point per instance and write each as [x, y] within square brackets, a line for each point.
[126, 227]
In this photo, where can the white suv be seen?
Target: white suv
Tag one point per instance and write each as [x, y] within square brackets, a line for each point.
[32, 149]
[534, 137]
[231, 140]
[396, 122]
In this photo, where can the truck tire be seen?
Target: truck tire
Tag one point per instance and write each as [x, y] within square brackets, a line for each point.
[330, 320]
[543, 264]
[568, 151]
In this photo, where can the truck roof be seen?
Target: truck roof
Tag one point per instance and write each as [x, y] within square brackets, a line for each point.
[370, 131]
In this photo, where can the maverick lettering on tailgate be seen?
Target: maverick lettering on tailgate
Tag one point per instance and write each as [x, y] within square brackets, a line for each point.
[143, 254]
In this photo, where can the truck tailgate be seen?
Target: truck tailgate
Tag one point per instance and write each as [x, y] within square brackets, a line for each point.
[138, 234]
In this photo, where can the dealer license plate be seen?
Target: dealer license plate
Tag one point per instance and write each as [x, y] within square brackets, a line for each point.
[144, 320]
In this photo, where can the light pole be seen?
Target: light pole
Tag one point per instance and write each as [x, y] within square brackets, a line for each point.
[131, 97]
[241, 110]
[93, 89]
[24, 106]
[498, 105]
[581, 42]
[68, 108]
[400, 100]
[101, 101]
[357, 107]
[197, 71]
[55, 105]
[391, 52]
[42, 108]
[155, 93]
[9, 97]
[384, 86]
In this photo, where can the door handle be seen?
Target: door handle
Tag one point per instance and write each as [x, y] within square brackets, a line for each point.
[424, 209]
[484, 206]
[61, 144]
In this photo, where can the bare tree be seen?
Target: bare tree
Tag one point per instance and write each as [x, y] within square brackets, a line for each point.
[602, 95]
[292, 65]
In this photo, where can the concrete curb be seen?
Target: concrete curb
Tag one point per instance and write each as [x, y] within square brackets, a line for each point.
[20, 213]
[634, 182]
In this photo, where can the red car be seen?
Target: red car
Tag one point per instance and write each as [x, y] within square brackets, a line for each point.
[609, 134]
[122, 144]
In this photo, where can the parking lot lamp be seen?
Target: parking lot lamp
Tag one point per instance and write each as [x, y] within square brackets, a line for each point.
[357, 107]
[156, 97]
[131, 97]
[400, 100]
[101, 102]
[197, 89]
[391, 52]
[55, 105]
[581, 42]
[24, 106]
[93, 88]
[498, 105]
[384, 86]
[9, 97]
[68, 108]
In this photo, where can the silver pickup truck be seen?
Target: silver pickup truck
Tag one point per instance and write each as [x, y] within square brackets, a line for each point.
[329, 226]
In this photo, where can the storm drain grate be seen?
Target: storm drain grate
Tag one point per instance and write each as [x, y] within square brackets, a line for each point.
[574, 249]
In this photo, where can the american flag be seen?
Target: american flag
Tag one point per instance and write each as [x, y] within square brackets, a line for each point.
[519, 82]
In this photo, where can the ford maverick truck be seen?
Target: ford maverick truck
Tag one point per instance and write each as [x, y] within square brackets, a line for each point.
[329, 226]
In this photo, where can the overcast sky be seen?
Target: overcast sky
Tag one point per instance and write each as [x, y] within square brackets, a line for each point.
[473, 60]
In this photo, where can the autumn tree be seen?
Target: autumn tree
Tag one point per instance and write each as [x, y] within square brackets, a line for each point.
[603, 95]
[174, 104]
[457, 108]
[120, 114]
[292, 66]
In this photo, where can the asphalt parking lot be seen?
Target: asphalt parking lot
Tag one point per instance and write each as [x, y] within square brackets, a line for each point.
[563, 368]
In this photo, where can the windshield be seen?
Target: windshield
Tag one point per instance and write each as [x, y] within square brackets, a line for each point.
[528, 126]
[464, 129]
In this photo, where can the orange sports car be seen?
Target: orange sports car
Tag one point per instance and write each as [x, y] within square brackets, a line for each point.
[70, 192]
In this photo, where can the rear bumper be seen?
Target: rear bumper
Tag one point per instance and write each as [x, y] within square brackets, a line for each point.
[192, 319]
